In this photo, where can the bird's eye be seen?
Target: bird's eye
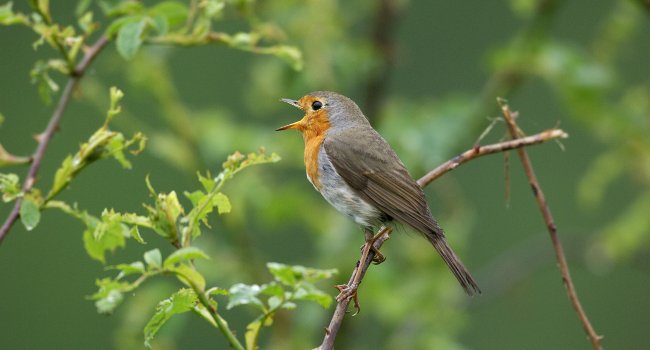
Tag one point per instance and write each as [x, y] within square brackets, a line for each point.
[316, 105]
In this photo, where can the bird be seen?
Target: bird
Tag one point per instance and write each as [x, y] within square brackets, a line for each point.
[359, 174]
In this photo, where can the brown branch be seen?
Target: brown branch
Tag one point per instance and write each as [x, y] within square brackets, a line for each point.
[384, 233]
[552, 229]
[52, 126]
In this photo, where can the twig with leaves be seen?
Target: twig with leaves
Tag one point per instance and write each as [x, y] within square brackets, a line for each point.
[52, 126]
[515, 133]
[384, 233]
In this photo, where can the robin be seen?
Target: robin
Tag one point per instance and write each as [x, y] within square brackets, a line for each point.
[360, 175]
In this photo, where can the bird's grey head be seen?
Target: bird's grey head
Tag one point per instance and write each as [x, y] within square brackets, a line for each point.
[342, 111]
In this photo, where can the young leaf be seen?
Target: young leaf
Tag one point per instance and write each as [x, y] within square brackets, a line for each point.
[10, 187]
[153, 258]
[129, 38]
[242, 294]
[30, 213]
[182, 301]
[128, 269]
[110, 294]
[103, 238]
[187, 253]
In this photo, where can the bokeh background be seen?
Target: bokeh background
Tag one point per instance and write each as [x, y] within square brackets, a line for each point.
[427, 74]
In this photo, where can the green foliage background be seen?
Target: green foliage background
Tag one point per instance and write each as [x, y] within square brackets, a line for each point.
[580, 64]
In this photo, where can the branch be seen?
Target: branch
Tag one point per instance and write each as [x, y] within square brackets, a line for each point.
[384, 233]
[552, 229]
[52, 126]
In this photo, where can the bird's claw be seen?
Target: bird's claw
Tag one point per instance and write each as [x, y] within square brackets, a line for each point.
[379, 257]
[346, 293]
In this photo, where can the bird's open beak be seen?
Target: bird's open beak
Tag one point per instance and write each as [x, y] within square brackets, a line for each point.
[292, 125]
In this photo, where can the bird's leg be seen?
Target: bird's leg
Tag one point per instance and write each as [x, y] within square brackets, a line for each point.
[347, 291]
[370, 241]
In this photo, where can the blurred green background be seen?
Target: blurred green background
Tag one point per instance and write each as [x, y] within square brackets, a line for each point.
[427, 74]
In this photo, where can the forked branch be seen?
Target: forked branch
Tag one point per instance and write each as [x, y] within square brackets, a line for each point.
[52, 126]
[515, 132]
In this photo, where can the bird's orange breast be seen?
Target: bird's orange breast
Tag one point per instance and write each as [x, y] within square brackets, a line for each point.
[314, 135]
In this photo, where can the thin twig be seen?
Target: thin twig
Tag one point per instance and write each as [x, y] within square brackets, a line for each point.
[384, 233]
[552, 229]
[52, 126]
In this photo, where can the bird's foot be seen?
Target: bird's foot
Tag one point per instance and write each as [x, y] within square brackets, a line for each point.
[347, 292]
[378, 257]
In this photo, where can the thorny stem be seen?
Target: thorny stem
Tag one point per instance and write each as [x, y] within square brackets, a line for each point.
[552, 229]
[52, 126]
[384, 233]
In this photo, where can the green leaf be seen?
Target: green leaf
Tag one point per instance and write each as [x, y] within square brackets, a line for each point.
[311, 293]
[110, 294]
[129, 38]
[129, 269]
[292, 275]
[8, 17]
[182, 301]
[252, 332]
[10, 187]
[272, 289]
[183, 254]
[106, 236]
[243, 294]
[174, 13]
[164, 215]
[189, 276]
[135, 234]
[153, 258]
[30, 213]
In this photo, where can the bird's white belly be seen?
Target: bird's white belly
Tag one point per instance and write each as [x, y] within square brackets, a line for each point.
[342, 197]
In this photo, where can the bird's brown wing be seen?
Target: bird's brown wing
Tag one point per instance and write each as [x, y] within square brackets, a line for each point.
[369, 165]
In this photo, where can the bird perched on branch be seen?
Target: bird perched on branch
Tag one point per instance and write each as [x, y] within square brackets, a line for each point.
[360, 175]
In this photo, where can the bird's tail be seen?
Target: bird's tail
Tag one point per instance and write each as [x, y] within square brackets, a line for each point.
[455, 265]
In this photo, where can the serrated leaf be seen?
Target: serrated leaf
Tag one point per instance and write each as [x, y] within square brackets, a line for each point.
[97, 244]
[30, 213]
[222, 203]
[182, 301]
[153, 258]
[183, 254]
[129, 38]
[243, 294]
